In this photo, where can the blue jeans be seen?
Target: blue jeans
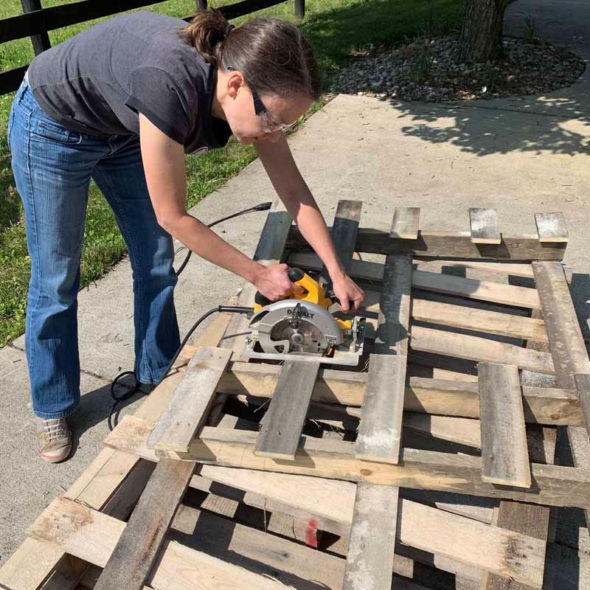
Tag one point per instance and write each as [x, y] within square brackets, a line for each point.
[52, 168]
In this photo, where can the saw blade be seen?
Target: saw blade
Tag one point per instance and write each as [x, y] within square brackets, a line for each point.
[305, 337]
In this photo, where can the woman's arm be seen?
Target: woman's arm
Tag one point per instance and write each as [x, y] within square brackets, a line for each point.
[164, 166]
[293, 191]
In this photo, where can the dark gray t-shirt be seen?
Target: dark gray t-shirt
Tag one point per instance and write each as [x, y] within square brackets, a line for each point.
[98, 81]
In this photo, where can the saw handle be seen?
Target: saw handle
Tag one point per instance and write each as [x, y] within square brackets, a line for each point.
[294, 274]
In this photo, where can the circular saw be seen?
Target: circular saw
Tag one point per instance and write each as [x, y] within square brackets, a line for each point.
[303, 327]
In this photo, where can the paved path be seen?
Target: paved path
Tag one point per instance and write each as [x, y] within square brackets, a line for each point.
[517, 155]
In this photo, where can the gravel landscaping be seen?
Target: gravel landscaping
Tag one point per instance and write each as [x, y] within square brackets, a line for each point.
[427, 70]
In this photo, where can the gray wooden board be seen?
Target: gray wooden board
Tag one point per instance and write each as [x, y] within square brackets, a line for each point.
[191, 400]
[447, 245]
[379, 431]
[567, 347]
[344, 232]
[380, 427]
[565, 336]
[551, 227]
[273, 236]
[554, 485]
[463, 346]
[484, 226]
[283, 422]
[526, 518]
[583, 385]
[394, 308]
[504, 448]
[406, 223]
[138, 546]
[522, 518]
[372, 538]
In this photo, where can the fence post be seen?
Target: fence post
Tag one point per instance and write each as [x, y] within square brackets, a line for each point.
[300, 9]
[40, 41]
[201, 4]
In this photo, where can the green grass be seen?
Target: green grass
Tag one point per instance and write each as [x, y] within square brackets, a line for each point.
[339, 30]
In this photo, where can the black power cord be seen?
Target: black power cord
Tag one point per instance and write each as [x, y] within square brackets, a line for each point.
[135, 388]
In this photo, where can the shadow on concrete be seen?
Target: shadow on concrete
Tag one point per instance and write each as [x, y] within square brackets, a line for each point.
[95, 407]
[534, 124]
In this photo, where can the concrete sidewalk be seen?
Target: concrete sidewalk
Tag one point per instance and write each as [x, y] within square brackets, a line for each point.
[520, 156]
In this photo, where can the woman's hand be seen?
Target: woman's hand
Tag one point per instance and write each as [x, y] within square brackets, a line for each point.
[273, 282]
[348, 292]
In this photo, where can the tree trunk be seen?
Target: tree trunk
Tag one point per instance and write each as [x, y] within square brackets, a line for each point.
[481, 34]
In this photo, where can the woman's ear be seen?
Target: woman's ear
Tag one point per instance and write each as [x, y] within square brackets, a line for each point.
[234, 82]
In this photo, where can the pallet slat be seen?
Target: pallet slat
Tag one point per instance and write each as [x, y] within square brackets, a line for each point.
[192, 400]
[137, 548]
[484, 226]
[542, 405]
[380, 427]
[431, 281]
[406, 223]
[372, 538]
[551, 227]
[331, 504]
[92, 536]
[480, 349]
[447, 245]
[503, 438]
[283, 422]
[478, 320]
[555, 485]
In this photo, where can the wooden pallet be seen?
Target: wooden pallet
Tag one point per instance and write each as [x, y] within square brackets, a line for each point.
[435, 456]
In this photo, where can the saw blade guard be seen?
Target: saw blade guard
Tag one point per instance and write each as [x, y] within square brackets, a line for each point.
[298, 326]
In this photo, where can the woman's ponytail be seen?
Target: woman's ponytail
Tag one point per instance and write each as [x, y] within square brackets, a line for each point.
[206, 32]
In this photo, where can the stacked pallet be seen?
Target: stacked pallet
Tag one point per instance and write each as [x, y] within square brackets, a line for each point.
[429, 466]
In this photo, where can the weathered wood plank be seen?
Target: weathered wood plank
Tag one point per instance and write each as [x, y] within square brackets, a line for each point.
[484, 226]
[478, 320]
[192, 400]
[92, 536]
[567, 347]
[438, 283]
[467, 539]
[503, 438]
[332, 503]
[379, 431]
[583, 387]
[447, 245]
[345, 230]
[474, 289]
[290, 563]
[505, 268]
[480, 349]
[565, 336]
[380, 427]
[463, 431]
[551, 227]
[373, 271]
[406, 223]
[137, 548]
[522, 518]
[552, 485]
[372, 538]
[542, 405]
[283, 423]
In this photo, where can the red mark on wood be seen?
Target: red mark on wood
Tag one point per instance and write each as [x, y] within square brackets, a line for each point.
[311, 533]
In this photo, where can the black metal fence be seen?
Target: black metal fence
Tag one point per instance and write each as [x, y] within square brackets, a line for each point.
[37, 21]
